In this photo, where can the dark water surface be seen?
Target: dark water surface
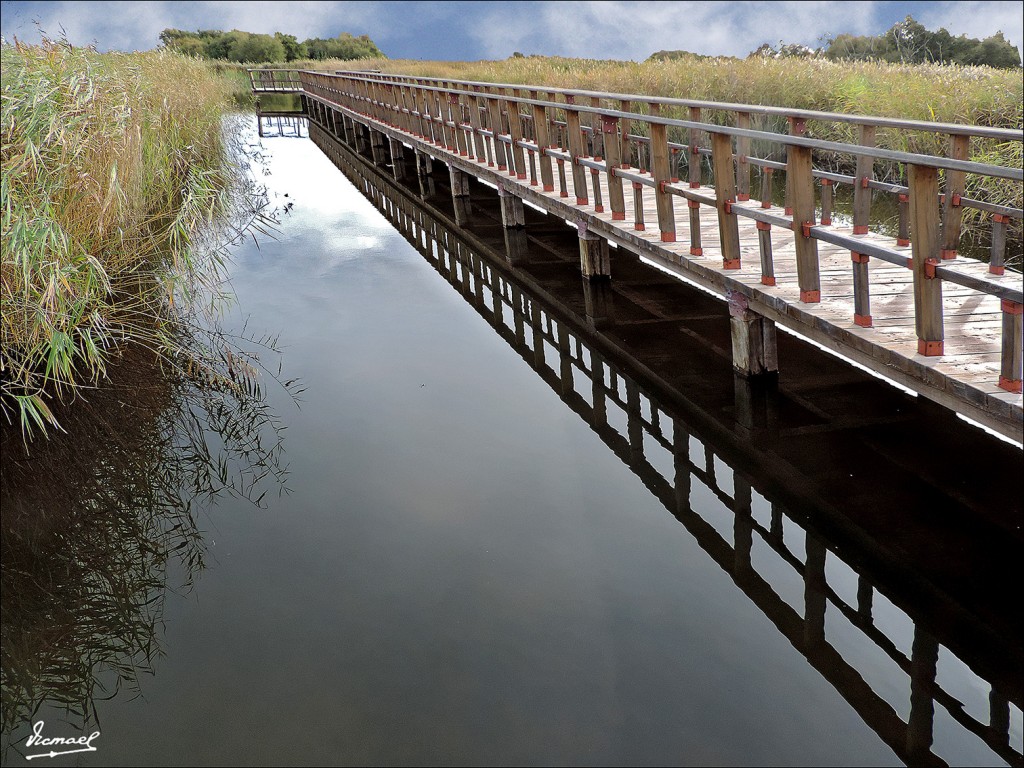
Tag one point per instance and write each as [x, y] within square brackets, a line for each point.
[535, 536]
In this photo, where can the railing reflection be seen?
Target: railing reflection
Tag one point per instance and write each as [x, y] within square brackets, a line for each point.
[814, 587]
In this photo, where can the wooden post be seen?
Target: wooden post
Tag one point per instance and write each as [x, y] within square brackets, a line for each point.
[598, 302]
[594, 260]
[766, 187]
[474, 120]
[742, 163]
[696, 248]
[952, 211]
[865, 174]
[540, 133]
[997, 256]
[515, 126]
[461, 140]
[903, 229]
[861, 290]
[494, 113]
[826, 202]
[625, 153]
[1010, 367]
[800, 183]
[513, 215]
[579, 175]
[764, 241]
[397, 159]
[725, 196]
[595, 178]
[754, 344]
[613, 160]
[638, 207]
[924, 217]
[694, 164]
[662, 173]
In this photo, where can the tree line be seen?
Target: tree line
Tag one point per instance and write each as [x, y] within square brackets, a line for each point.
[256, 48]
[907, 41]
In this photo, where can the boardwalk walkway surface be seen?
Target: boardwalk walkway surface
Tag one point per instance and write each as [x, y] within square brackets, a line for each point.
[945, 326]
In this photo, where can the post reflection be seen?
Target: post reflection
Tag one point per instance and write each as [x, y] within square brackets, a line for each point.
[814, 504]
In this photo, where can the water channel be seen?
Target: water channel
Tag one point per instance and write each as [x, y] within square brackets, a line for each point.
[525, 519]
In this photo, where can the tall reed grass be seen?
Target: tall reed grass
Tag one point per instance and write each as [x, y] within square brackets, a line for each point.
[112, 165]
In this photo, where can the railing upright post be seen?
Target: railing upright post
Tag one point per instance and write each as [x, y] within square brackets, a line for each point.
[924, 218]
[952, 211]
[800, 185]
[474, 120]
[515, 128]
[661, 170]
[694, 164]
[1013, 339]
[742, 161]
[610, 131]
[579, 174]
[725, 197]
[865, 174]
[540, 133]
[494, 113]
[625, 152]
[597, 140]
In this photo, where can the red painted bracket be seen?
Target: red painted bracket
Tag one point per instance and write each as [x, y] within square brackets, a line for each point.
[692, 204]
[805, 228]
[864, 321]
[764, 226]
[767, 280]
[929, 268]
[1011, 307]
[859, 258]
[810, 297]
[864, 182]
[929, 348]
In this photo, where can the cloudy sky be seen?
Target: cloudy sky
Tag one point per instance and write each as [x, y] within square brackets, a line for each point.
[476, 30]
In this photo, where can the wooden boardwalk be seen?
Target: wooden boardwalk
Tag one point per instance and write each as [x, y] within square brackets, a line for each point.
[957, 342]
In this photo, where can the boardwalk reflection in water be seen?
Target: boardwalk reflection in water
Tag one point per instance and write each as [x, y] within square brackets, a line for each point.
[864, 557]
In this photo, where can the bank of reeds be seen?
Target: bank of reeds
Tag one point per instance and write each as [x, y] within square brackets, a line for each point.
[112, 165]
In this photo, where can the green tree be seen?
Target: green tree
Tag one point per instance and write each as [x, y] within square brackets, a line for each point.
[293, 49]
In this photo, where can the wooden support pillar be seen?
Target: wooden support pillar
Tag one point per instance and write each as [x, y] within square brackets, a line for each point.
[924, 217]
[638, 207]
[952, 211]
[513, 215]
[696, 248]
[725, 196]
[800, 183]
[865, 174]
[460, 195]
[517, 246]
[425, 176]
[595, 262]
[754, 347]
[662, 172]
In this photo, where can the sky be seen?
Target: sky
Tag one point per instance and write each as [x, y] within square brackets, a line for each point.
[613, 29]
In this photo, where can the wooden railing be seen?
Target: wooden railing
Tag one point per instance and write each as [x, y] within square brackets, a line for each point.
[275, 80]
[532, 132]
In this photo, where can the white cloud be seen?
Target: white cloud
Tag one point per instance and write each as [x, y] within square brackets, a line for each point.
[632, 30]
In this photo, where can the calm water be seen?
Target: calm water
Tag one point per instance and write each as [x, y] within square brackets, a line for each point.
[515, 530]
